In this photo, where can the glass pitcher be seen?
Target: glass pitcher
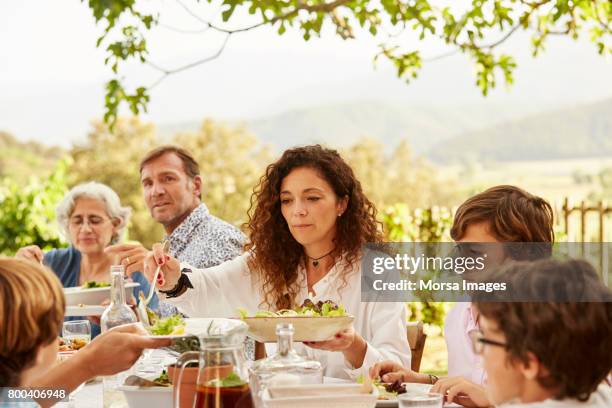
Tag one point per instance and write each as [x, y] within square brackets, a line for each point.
[222, 379]
[286, 367]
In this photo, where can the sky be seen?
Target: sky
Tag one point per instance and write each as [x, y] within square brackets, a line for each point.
[52, 75]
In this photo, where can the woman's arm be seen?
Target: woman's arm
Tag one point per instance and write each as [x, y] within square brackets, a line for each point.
[387, 334]
[386, 323]
[215, 292]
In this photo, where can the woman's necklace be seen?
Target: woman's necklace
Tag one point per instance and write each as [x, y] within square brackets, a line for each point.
[315, 261]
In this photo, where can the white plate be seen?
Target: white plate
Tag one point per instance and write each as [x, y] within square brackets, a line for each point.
[77, 295]
[201, 327]
[307, 328]
[386, 403]
[318, 395]
[169, 336]
[150, 397]
[84, 310]
[410, 387]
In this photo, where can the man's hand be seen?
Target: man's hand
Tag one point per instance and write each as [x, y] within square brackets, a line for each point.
[131, 256]
[31, 253]
[462, 392]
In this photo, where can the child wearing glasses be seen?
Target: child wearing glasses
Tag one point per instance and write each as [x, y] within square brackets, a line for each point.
[544, 354]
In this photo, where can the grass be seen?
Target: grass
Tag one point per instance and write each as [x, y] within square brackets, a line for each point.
[435, 356]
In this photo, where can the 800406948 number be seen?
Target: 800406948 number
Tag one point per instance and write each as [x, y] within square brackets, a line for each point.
[31, 394]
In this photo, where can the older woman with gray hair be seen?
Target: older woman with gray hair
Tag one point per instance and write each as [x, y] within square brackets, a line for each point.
[92, 218]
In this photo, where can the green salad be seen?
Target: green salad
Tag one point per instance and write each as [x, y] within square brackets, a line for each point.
[163, 380]
[232, 380]
[308, 308]
[94, 284]
[385, 390]
[168, 326]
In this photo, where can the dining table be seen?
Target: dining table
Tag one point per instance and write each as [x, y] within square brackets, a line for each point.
[90, 394]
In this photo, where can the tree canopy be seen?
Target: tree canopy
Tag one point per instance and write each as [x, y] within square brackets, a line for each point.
[475, 29]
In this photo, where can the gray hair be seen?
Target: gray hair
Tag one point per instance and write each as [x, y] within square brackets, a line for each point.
[96, 191]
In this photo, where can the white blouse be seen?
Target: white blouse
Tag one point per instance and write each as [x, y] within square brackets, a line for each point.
[219, 291]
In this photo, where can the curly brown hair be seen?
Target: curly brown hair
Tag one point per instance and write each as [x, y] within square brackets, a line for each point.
[276, 255]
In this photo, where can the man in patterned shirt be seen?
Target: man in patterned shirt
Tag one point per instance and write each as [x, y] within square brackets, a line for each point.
[172, 185]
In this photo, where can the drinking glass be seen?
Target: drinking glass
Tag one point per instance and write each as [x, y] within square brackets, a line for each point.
[77, 333]
[420, 400]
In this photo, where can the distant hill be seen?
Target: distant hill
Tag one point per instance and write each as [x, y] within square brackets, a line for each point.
[584, 131]
[19, 160]
[344, 124]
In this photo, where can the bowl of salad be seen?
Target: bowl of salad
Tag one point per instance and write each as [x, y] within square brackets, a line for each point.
[150, 393]
[311, 321]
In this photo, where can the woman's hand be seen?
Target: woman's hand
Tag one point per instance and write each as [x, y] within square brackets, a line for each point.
[390, 371]
[351, 344]
[31, 253]
[462, 392]
[170, 268]
[341, 341]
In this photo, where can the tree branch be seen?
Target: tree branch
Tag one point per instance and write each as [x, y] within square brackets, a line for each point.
[523, 20]
[501, 40]
[604, 25]
[182, 30]
[168, 72]
[324, 7]
[441, 56]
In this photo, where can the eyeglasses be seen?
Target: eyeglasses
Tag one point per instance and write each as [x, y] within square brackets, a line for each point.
[93, 221]
[479, 341]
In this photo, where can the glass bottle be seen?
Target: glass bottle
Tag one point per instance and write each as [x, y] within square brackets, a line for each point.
[286, 367]
[118, 312]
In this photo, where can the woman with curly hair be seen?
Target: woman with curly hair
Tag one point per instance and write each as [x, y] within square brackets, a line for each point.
[308, 222]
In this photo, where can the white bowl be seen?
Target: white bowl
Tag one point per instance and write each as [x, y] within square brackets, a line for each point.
[77, 295]
[319, 395]
[307, 328]
[149, 397]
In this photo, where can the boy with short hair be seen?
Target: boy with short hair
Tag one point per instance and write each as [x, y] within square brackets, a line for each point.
[500, 214]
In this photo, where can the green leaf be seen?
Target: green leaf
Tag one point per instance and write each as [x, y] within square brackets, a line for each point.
[232, 380]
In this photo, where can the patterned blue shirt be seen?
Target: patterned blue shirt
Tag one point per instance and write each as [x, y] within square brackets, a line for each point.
[203, 240]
